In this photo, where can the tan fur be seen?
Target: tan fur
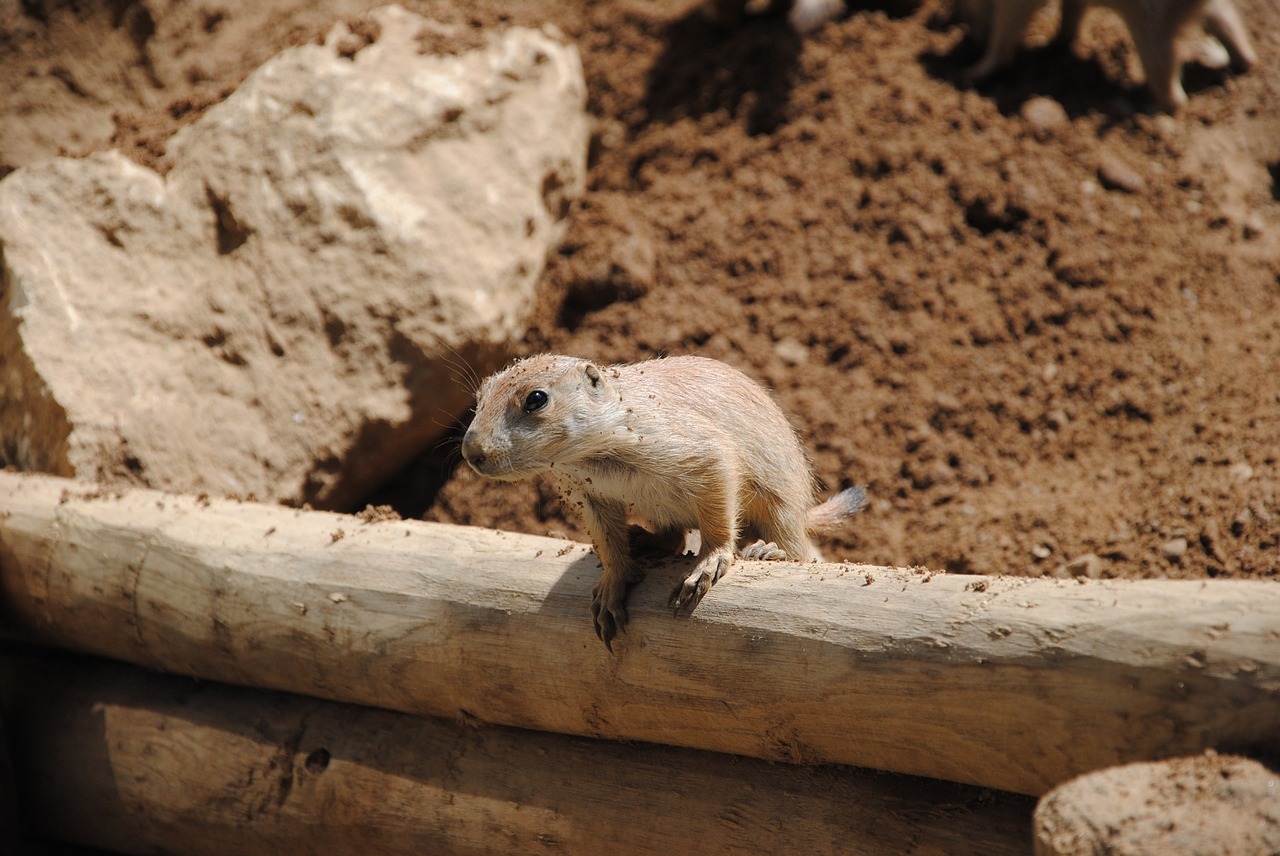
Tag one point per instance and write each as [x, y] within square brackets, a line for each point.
[671, 444]
[1154, 26]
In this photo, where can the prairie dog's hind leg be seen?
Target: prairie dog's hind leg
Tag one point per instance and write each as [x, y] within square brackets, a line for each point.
[780, 524]
[718, 525]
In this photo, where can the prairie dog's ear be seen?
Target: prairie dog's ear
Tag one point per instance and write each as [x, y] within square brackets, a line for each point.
[592, 375]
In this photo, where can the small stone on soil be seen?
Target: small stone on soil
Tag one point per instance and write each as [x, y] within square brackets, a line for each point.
[1174, 549]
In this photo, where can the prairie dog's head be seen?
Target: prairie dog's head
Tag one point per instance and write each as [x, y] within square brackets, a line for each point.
[536, 413]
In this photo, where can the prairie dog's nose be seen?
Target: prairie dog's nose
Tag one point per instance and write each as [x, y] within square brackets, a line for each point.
[472, 451]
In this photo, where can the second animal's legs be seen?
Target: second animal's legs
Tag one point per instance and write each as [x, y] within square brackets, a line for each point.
[1155, 41]
[1222, 21]
[1072, 17]
[726, 13]
[1008, 25]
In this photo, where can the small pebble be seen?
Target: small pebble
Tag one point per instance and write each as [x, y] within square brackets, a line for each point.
[1089, 565]
[1057, 419]
[791, 352]
[1174, 549]
[1241, 472]
[1116, 175]
[1165, 126]
[1045, 116]
[1210, 538]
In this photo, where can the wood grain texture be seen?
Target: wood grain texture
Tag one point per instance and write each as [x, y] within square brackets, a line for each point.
[115, 757]
[1010, 683]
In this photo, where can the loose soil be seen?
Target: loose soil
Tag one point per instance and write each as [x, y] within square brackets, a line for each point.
[1035, 319]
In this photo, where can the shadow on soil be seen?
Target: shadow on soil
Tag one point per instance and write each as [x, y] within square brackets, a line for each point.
[747, 70]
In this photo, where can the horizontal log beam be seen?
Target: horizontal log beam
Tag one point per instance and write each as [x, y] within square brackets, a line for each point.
[1011, 683]
[111, 756]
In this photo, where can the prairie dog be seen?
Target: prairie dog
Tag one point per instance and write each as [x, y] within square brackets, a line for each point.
[671, 444]
[1154, 26]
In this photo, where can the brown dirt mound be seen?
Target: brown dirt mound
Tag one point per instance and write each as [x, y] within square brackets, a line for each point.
[1035, 322]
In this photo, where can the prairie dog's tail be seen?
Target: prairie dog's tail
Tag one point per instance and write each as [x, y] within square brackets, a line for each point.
[836, 510]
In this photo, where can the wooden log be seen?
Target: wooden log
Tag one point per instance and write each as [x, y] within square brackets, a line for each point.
[1011, 683]
[115, 757]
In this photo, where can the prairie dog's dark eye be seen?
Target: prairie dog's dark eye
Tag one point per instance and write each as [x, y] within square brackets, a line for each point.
[535, 400]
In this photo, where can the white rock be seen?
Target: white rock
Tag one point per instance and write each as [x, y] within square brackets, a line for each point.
[1174, 549]
[285, 313]
[1089, 565]
[1209, 804]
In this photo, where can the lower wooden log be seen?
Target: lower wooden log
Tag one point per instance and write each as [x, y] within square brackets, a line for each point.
[112, 756]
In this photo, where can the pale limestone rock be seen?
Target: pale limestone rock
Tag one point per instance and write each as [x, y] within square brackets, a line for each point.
[287, 312]
[1212, 805]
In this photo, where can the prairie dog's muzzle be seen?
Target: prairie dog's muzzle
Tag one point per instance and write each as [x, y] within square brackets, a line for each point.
[473, 452]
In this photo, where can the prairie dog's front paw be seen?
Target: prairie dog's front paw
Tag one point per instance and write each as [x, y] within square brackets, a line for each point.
[609, 609]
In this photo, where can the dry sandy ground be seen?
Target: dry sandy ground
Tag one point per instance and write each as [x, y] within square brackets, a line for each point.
[1035, 319]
